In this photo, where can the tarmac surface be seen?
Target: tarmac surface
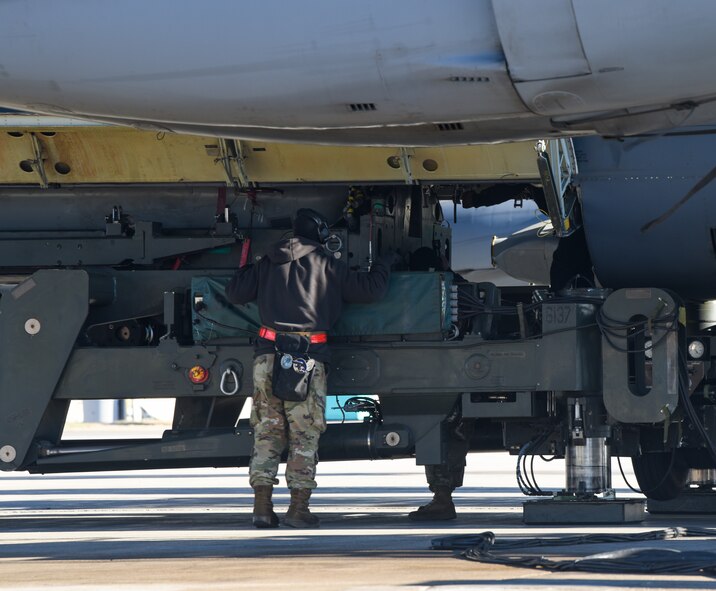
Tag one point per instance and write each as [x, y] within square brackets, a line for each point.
[186, 530]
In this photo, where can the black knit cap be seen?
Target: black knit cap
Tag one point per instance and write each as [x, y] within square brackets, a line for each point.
[310, 224]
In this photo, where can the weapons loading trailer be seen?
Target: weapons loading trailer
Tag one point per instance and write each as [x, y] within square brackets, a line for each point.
[108, 233]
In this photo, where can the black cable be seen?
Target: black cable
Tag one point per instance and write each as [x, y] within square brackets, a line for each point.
[630, 560]
[249, 332]
[534, 478]
[612, 329]
[531, 487]
[465, 541]
[480, 548]
[612, 332]
[373, 406]
[526, 479]
[340, 407]
[664, 478]
[529, 475]
[536, 447]
[621, 470]
[518, 471]
[524, 488]
[512, 310]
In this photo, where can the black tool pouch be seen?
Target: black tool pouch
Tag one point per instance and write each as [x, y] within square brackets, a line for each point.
[292, 368]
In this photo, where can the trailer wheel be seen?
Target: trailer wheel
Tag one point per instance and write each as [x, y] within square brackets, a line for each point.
[660, 476]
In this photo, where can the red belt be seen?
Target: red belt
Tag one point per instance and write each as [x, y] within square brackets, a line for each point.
[314, 337]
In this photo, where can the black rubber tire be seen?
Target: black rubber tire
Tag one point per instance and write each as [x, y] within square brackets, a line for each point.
[658, 477]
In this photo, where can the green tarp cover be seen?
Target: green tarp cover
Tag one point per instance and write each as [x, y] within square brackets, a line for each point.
[416, 303]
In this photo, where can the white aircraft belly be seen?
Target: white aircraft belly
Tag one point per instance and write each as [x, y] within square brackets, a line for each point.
[272, 64]
[610, 55]
[374, 72]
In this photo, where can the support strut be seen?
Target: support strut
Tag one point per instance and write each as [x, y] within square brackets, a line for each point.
[588, 496]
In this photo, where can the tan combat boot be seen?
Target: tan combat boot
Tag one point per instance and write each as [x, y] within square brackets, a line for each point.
[440, 508]
[298, 514]
[264, 516]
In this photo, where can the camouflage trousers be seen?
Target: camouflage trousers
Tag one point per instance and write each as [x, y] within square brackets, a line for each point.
[279, 424]
[451, 474]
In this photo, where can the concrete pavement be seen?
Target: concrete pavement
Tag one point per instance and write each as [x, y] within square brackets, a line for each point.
[186, 530]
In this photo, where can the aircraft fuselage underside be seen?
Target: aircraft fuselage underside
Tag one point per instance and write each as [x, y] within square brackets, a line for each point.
[370, 73]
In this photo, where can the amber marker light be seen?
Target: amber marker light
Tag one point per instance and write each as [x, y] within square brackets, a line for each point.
[198, 374]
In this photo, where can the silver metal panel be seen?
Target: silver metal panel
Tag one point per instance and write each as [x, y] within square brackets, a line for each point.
[368, 73]
[642, 53]
[660, 399]
[540, 39]
[526, 255]
[588, 466]
[668, 58]
[292, 65]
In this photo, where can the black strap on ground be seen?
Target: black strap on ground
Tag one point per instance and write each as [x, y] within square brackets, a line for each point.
[483, 547]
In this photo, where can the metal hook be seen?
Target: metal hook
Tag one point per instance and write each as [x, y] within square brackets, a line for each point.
[222, 386]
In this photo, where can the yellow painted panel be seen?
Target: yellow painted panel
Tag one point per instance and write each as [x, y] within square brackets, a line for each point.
[310, 163]
[300, 162]
[485, 162]
[107, 154]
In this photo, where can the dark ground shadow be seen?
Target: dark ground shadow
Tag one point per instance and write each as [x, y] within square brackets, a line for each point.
[352, 519]
[623, 582]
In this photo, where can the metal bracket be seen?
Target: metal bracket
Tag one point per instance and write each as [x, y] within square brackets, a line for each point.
[38, 161]
[557, 164]
[39, 320]
[232, 159]
[638, 389]
[578, 511]
[110, 247]
[405, 157]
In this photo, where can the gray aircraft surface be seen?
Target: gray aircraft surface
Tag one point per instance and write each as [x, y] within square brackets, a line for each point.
[404, 72]
[647, 207]
[475, 231]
